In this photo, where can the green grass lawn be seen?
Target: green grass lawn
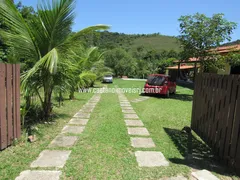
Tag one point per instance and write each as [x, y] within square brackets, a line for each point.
[17, 158]
[103, 150]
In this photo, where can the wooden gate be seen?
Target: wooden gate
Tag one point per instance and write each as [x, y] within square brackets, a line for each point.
[216, 115]
[10, 125]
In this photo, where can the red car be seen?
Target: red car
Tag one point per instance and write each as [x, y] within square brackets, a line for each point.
[160, 84]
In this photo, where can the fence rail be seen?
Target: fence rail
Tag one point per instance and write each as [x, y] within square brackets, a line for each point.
[216, 115]
[10, 126]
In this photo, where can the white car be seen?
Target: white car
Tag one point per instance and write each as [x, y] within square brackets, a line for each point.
[108, 79]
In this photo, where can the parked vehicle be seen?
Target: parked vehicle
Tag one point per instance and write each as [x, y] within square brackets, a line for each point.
[160, 84]
[108, 79]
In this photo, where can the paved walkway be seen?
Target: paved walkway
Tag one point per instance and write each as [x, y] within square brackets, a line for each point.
[140, 137]
[56, 159]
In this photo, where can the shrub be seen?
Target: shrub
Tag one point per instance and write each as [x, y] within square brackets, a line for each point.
[87, 79]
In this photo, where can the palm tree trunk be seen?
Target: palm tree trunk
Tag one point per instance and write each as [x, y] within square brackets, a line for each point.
[47, 104]
[71, 95]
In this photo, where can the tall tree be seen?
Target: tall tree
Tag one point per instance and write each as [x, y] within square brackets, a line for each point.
[121, 62]
[46, 39]
[200, 33]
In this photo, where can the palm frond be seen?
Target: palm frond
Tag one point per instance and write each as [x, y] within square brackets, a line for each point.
[19, 34]
[57, 18]
[75, 40]
[47, 63]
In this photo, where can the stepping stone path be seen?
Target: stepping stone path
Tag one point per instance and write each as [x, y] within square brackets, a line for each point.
[204, 174]
[140, 99]
[138, 131]
[63, 141]
[73, 129]
[135, 128]
[150, 159]
[39, 175]
[48, 158]
[57, 158]
[134, 123]
[128, 111]
[175, 178]
[142, 142]
[76, 121]
[131, 116]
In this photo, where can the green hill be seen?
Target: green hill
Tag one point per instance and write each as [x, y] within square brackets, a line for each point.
[110, 40]
[158, 42]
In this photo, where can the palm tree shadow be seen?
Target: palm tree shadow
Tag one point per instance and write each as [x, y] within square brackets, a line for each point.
[197, 154]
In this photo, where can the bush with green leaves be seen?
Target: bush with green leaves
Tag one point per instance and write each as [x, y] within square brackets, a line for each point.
[87, 79]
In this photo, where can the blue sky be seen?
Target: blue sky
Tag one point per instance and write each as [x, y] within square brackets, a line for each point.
[148, 16]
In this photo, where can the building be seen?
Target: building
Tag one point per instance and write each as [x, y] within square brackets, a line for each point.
[187, 69]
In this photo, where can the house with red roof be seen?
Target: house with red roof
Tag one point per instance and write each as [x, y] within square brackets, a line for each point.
[186, 69]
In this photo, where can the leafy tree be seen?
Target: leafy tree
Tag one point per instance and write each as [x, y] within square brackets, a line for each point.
[100, 69]
[164, 64]
[200, 33]
[46, 40]
[121, 62]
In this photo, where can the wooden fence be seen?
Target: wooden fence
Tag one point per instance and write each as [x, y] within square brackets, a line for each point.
[216, 115]
[10, 126]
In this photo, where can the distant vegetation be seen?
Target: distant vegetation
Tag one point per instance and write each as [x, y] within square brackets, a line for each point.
[135, 55]
[232, 43]
[111, 40]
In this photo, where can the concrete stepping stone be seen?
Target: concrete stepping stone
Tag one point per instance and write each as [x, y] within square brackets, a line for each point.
[134, 123]
[125, 105]
[54, 158]
[63, 141]
[82, 115]
[127, 108]
[39, 175]
[122, 98]
[86, 110]
[88, 107]
[204, 175]
[138, 131]
[73, 129]
[142, 142]
[91, 104]
[174, 178]
[131, 116]
[76, 121]
[95, 101]
[151, 159]
[128, 111]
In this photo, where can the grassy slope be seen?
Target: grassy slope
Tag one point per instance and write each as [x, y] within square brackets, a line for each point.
[158, 43]
[17, 158]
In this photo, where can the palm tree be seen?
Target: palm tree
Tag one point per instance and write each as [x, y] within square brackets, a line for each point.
[45, 40]
[83, 61]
